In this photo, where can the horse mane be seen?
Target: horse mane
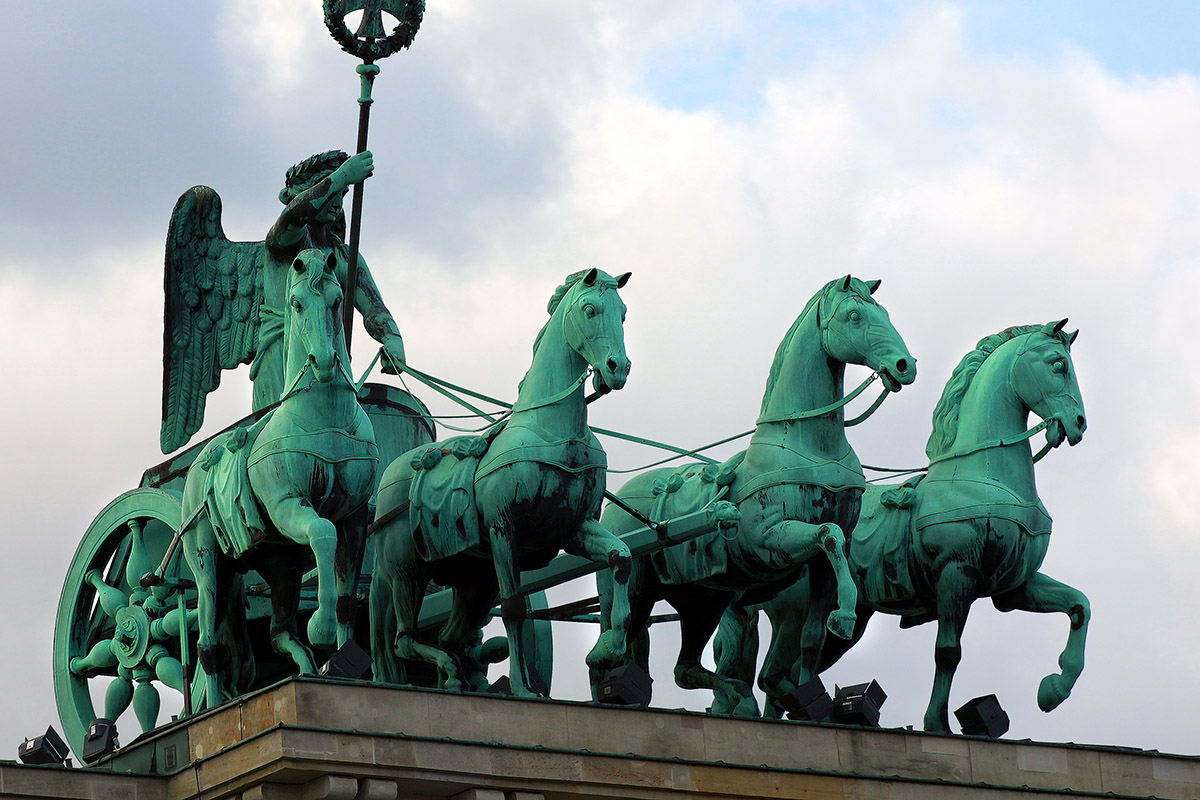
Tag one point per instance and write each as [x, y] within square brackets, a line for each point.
[946, 412]
[857, 286]
[552, 306]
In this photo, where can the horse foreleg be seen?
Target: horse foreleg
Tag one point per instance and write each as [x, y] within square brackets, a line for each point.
[298, 521]
[643, 592]
[792, 542]
[1042, 594]
[597, 543]
[955, 592]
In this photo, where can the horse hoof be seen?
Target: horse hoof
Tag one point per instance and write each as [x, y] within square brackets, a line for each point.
[841, 623]
[608, 651]
[1052, 691]
[322, 631]
[748, 707]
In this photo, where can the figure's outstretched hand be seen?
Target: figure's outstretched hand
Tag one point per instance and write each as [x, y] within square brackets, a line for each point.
[393, 355]
[357, 168]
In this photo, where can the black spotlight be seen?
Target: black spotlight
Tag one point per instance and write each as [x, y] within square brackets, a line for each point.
[100, 740]
[49, 748]
[349, 661]
[808, 701]
[625, 686]
[983, 716]
[858, 704]
[502, 686]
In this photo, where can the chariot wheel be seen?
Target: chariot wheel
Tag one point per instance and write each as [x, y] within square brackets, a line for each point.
[110, 630]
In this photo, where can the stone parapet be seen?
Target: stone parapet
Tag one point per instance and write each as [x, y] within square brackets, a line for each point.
[310, 739]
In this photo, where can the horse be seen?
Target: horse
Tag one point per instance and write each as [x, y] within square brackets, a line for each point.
[302, 475]
[972, 527]
[796, 487]
[473, 511]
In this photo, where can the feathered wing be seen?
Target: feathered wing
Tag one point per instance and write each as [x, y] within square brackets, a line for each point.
[213, 290]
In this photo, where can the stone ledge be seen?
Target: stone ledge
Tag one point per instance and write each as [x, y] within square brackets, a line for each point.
[283, 741]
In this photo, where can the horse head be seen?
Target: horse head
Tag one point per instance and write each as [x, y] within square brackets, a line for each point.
[1044, 378]
[593, 324]
[314, 320]
[855, 329]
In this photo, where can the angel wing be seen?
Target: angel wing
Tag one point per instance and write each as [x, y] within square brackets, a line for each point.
[213, 290]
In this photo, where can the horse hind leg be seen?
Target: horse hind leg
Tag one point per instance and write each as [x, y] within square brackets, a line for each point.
[735, 650]
[408, 582]
[282, 571]
[1042, 594]
[202, 554]
[698, 619]
[469, 613]
[348, 556]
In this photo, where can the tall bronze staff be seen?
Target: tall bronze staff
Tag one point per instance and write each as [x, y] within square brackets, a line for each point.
[371, 42]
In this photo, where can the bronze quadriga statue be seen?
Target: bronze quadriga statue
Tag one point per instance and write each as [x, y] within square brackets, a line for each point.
[797, 488]
[972, 527]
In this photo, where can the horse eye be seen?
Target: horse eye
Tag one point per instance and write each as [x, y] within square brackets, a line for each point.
[1060, 366]
[855, 316]
[589, 310]
[295, 304]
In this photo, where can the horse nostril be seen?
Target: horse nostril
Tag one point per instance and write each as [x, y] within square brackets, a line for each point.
[612, 365]
[1081, 423]
[902, 365]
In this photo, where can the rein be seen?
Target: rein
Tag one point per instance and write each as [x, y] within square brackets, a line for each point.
[834, 406]
[291, 387]
[1005, 442]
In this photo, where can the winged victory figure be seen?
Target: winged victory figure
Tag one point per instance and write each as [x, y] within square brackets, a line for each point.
[224, 299]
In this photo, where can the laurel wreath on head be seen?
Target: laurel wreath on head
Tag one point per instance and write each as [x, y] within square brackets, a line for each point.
[374, 49]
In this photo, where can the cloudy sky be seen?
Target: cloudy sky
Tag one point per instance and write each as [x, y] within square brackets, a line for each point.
[995, 163]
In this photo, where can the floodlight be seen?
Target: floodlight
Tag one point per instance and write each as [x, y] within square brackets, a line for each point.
[349, 661]
[858, 704]
[983, 716]
[100, 740]
[808, 701]
[49, 748]
[625, 686]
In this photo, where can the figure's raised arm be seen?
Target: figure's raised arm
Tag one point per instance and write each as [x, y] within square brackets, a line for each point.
[313, 195]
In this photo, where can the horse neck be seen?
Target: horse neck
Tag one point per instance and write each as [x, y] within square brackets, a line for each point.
[324, 405]
[555, 367]
[807, 379]
[992, 410]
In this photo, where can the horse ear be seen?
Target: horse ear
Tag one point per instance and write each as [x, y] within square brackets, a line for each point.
[623, 279]
[1054, 328]
[872, 286]
[330, 262]
[1071, 338]
[298, 265]
[846, 284]
[590, 278]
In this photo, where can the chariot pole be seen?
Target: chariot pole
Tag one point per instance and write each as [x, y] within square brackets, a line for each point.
[370, 42]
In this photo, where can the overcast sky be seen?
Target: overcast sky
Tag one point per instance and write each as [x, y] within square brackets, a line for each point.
[995, 163]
